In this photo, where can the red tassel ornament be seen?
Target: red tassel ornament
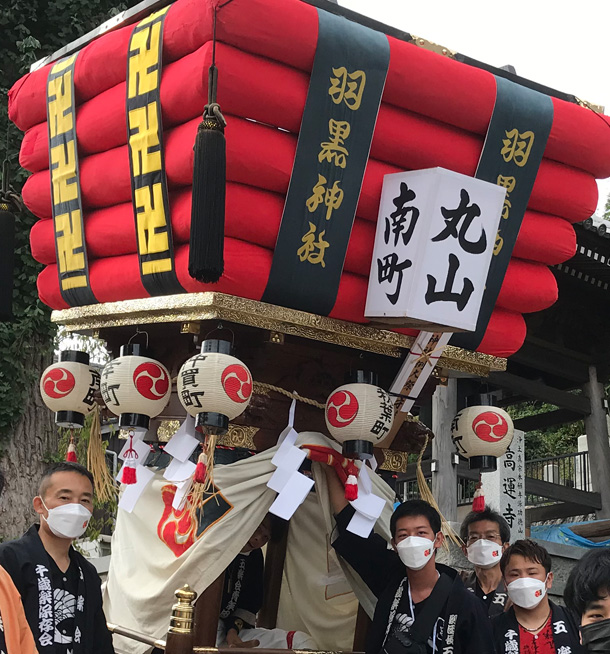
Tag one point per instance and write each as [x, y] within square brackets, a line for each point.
[71, 453]
[128, 473]
[351, 488]
[201, 470]
[478, 502]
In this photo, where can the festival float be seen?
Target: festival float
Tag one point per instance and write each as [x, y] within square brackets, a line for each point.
[311, 219]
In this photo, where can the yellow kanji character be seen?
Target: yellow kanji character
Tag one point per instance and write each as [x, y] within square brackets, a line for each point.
[313, 251]
[334, 150]
[517, 146]
[343, 90]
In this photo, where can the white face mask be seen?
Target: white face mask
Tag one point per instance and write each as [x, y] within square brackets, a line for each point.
[484, 553]
[527, 592]
[415, 551]
[68, 520]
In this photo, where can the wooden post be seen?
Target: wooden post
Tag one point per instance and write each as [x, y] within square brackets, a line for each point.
[207, 613]
[274, 569]
[180, 634]
[444, 478]
[596, 427]
[363, 622]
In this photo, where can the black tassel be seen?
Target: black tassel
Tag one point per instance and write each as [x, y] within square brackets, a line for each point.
[7, 260]
[206, 260]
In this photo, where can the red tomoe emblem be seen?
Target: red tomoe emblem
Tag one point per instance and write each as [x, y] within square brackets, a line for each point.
[427, 553]
[151, 380]
[490, 426]
[237, 382]
[58, 383]
[538, 593]
[341, 408]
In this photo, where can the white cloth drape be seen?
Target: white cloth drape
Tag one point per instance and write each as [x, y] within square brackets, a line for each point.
[144, 571]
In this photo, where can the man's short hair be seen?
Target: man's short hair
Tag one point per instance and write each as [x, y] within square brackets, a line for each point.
[487, 514]
[416, 508]
[589, 580]
[62, 466]
[529, 550]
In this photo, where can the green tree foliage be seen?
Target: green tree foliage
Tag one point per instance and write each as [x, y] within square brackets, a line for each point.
[30, 30]
[607, 208]
[552, 441]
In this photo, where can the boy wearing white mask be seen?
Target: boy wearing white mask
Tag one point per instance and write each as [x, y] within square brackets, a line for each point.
[486, 535]
[422, 607]
[533, 624]
[59, 588]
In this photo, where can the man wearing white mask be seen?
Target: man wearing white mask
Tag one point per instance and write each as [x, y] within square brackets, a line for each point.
[59, 588]
[533, 624]
[486, 535]
[422, 607]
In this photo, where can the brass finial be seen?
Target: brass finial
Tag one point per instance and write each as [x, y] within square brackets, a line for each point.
[182, 613]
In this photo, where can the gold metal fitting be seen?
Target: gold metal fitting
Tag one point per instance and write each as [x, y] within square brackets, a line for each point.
[190, 328]
[276, 337]
[182, 619]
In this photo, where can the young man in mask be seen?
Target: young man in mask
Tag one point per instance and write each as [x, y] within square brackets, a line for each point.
[59, 588]
[486, 535]
[422, 606]
[587, 593]
[533, 624]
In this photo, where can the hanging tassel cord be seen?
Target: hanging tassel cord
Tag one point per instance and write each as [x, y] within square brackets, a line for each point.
[104, 483]
[426, 494]
[206, 243]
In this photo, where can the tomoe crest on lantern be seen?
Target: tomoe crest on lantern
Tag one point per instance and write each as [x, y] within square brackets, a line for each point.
[135, 387]
[482, 434]
[214, 387]
[68, 387]
[359, 416]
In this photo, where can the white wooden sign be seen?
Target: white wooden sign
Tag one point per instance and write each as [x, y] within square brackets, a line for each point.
[504, 489]
[435, 237]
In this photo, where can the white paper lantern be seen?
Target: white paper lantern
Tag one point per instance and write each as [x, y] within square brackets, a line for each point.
[135, 387]
[214, 387]
[359, 416]
[68, 388]
[482, 434]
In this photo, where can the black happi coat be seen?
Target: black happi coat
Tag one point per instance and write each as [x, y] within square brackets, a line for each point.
[565, 631]
[462, 618]
[242, 595]
[26, 561]
[496, 602]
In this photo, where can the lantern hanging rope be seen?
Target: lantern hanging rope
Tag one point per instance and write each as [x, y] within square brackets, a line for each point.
[426, 494]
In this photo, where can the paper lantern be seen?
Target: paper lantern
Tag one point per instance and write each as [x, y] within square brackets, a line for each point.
[68, 388]
[214, 387]
[359, 416]
[135, 387]
[482, 434]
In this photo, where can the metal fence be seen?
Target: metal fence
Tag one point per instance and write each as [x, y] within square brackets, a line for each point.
[407, 490]
[570, 470]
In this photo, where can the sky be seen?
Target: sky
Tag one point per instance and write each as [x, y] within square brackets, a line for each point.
[559, 44]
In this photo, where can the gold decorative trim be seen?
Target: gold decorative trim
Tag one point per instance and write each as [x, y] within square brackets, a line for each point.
[194, 307]
[238, 436]
[597, 108]
[433, 47]
[395, 461]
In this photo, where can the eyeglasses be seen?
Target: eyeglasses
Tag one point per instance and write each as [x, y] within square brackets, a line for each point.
[473, 538]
